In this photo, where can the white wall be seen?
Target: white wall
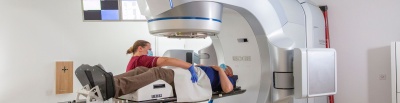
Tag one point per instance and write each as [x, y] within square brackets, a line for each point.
[34, 34]
[361, 32]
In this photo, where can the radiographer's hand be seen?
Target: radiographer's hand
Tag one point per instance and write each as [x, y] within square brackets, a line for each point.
[194, 74]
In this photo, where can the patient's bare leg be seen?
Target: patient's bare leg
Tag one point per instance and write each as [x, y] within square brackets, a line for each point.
[126, 84]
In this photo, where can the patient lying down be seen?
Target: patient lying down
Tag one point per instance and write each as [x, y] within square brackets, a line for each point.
[129, 82]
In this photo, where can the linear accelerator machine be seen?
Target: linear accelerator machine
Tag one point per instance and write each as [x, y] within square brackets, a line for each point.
[283, 59]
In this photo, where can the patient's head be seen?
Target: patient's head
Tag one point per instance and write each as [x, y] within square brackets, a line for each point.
[140, 47]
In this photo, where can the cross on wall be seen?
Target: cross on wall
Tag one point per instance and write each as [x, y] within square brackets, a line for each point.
[64, 69]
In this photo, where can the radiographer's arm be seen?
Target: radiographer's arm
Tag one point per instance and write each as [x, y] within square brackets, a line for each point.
[226, 84]
[165, 61]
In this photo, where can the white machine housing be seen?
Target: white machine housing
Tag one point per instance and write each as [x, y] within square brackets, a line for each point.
[314, 72]
[208, 56]
[277, 28]
[395, 71]
[156, 90]
[186, 55]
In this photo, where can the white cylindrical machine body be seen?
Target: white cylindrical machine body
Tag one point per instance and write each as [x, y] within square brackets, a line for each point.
[277, 28]
[191, 20]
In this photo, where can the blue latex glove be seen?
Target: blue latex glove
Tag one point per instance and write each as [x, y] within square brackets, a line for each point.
[194, 74]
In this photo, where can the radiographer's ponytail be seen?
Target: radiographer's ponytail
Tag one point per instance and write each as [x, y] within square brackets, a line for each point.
[133, 49]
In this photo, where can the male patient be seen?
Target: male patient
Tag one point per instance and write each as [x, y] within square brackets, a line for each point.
[129, 82]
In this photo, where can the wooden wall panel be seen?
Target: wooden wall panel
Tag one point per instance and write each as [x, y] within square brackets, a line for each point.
[64, 77]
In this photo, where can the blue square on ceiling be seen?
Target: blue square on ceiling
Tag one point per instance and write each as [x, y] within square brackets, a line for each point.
[109, 15]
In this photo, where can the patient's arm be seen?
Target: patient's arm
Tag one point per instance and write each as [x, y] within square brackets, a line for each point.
[225, 82]
[165, 61]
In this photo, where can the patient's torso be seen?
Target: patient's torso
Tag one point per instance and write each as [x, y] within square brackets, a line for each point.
[214, 78]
